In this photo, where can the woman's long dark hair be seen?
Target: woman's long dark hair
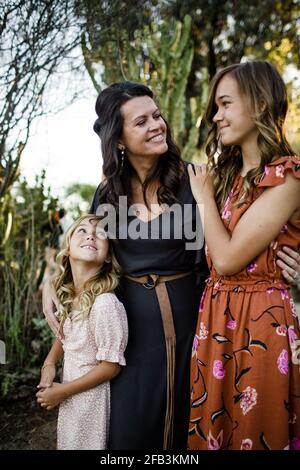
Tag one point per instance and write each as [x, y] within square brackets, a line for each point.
[109, 127]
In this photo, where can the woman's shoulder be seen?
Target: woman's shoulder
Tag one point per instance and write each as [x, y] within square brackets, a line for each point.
[275, 172]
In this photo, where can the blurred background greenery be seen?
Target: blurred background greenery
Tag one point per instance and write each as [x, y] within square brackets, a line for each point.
[175, 47]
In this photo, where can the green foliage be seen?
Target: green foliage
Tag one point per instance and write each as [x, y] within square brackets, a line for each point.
[176, 47]
[78, 197]
[30, 212]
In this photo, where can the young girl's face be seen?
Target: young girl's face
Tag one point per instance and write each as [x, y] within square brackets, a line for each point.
[233, 118]
[88, 243]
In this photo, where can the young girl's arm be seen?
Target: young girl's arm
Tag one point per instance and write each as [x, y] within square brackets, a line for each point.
[109, 323]
[51, 397]
[259, 225]
[48, 369]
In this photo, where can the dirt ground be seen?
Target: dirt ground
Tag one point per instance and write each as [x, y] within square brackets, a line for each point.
[25, 425]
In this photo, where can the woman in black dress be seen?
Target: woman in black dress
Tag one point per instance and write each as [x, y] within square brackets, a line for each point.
[163, 276]
[150, 398]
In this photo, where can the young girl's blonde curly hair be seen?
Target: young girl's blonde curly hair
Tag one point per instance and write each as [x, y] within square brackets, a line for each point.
[106, 279]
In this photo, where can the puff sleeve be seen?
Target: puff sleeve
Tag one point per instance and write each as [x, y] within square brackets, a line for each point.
[110, 328]
[275, 172]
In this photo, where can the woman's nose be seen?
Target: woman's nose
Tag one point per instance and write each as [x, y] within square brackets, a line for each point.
[153, 125]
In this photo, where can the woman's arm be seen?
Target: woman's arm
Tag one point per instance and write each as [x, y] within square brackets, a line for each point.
[259, 225]
[51, 397]
[50, 304]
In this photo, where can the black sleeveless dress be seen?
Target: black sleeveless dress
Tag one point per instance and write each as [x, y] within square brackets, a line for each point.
[138, 394]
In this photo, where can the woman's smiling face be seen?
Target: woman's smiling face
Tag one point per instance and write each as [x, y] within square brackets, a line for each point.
[144, 130]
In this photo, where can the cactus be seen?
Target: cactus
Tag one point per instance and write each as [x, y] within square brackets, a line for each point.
[162, 59]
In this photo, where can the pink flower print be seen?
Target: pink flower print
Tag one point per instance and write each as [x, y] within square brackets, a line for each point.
[201, 302]
[249, 399]
[284, 294]
[280, 171]
[226, 214]
[246, 444]
[270, 290]
[267, 170]
[218, 370]
[295, 444]
[281, 330]
[231, 324]
[212, 442]
[251, 267]
[196, 343]
[283, 362]
[292, 418]
[293, 308]
[203, 332]
[292, 335]
[284, 229]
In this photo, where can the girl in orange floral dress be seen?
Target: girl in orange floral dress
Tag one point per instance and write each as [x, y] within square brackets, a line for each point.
[245, 373]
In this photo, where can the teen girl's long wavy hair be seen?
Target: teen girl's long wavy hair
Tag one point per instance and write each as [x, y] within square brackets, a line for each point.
[265, 94]
[109, 127]
[105, 280]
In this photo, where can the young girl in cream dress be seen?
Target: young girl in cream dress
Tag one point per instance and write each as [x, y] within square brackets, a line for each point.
[92, 338]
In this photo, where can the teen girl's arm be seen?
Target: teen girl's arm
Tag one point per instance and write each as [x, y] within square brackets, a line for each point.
[256, 229]
[48, 370]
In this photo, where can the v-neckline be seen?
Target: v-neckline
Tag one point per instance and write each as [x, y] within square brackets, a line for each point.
[150, 220]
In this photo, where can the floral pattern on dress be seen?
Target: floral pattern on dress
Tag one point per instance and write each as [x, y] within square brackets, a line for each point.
[247, 363]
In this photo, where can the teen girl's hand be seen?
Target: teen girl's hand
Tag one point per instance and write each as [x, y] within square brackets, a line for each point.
[289, 262]
[201, 182]
[51, 397]
[48, 373]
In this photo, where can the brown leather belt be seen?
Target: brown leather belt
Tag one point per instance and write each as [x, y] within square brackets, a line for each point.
[157, 282]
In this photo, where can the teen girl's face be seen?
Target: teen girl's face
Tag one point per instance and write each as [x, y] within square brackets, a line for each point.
[235, 125]
[89, 243]
[144, 130]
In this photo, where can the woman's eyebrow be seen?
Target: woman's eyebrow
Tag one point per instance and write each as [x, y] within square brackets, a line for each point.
[144, 115]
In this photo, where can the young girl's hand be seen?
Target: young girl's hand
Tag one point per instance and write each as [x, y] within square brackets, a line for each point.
[201, 182]
[51, 397]
[48, 373]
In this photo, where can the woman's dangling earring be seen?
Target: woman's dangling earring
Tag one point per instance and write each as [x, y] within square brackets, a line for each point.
[122, 159]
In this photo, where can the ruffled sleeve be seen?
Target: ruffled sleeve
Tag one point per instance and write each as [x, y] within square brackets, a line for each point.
[111, 329]
[274, 173]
